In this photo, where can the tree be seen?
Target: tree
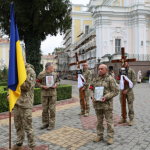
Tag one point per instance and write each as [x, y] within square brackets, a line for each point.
[35, 20]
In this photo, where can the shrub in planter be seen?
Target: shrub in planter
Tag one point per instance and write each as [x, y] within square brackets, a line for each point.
[4, 105]
[3, 83]
[145, 78]
[3, 88]
[64, 92]
[37, 96]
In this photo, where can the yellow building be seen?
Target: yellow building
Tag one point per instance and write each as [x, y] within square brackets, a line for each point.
[49, 58]
[4, 52]
[100, 29]
[82, 23]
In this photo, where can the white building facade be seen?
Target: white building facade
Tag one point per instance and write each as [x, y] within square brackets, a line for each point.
[105, 26]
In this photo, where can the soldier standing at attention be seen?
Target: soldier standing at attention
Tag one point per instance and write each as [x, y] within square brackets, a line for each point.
[104, 107]
[129, 94]
[48, 96]
[23, 111]
[87, 76]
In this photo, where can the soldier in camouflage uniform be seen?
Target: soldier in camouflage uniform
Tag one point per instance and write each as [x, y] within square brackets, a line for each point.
[129, 94]
[87, 76]
[104, 107]
[23, 111]
[48, 96]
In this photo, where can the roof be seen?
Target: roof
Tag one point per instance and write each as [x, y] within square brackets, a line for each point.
[4, 41]
[48, 56]
[57, 53]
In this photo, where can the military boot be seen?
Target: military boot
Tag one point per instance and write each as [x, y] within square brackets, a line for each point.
[122, 121]
[16, 147]
[81, 113]
[50, 128]
[131, 123]
[97, 139]
[44, 126]
[86, 114]
[110, 141]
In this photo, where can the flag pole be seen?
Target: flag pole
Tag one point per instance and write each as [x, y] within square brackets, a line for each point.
[9, 127]
[10, 116]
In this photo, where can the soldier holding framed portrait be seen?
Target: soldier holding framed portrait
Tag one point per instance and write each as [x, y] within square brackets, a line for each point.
[48, 81]
[103, 89]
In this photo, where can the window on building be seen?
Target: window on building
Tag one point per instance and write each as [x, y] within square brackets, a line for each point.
[117, 45]
[87, 29]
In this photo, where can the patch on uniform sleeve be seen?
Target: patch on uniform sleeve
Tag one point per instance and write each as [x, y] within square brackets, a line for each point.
[31, 77]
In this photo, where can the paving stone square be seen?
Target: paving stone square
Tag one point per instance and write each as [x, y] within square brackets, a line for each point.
[71, 130]
[68, 137]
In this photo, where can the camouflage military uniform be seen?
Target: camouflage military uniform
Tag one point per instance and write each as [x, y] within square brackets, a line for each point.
[87, 76]
[130, 95]
[48, 98]
[105, 108]
[23, 109]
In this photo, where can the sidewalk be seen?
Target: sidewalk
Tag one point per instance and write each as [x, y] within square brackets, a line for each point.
[77, 132]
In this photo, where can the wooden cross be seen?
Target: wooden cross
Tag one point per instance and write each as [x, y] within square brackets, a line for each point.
[123, 60]
[78, 67]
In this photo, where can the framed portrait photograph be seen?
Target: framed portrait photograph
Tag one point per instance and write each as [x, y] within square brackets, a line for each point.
[99, 92]
[50, 81]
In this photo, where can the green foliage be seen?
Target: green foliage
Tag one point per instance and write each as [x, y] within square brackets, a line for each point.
[4, 75]
[4, 105]
[64, 92]
[3, 83]
[145, 78]
[35, 20]
[37, 96]
[3, 88]
[41, 67]
[57, 49]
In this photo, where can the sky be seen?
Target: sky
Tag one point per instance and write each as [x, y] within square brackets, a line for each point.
[51, 42]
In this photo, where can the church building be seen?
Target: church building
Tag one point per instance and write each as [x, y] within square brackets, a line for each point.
[101, 28]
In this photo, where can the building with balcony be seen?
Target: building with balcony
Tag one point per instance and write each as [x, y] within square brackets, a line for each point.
[100, 29]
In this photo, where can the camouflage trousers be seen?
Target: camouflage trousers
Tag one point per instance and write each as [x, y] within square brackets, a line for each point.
[49, 106]
[100, 113]
[23, 123]
[87, 103]
[130, 99]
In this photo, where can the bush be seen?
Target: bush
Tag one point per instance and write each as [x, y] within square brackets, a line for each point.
[4, 74]
[37, 96]
[145, 78]
[3, 88]
[4, 105]
[3, 83]
[64, 92]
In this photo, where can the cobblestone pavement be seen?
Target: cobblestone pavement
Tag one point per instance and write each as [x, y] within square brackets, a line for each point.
[77, 132]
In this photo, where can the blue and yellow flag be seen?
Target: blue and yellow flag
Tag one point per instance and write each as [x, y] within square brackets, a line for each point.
[17, 72]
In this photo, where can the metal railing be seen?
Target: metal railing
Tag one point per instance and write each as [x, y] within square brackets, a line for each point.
[139, 57]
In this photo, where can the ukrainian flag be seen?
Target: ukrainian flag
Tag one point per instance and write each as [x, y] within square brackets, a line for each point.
[17, 72]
